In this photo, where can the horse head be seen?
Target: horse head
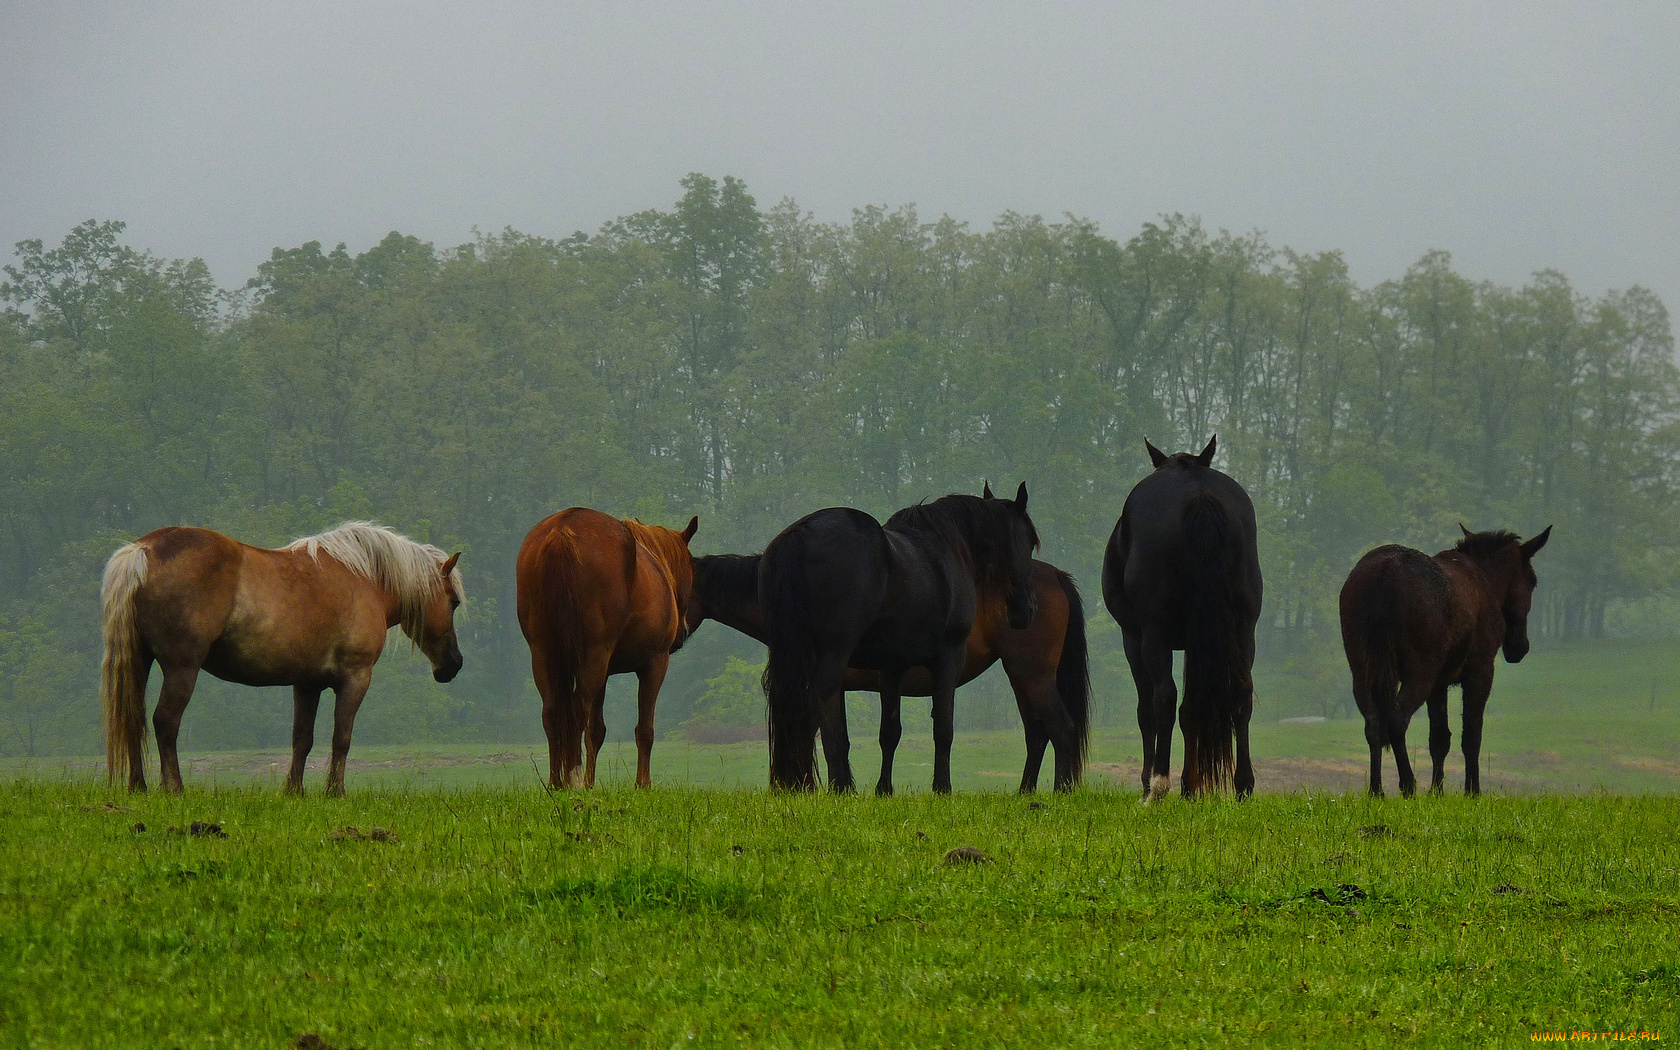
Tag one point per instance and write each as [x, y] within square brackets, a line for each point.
[1516, 558]
[1020, 540]
[436, 637]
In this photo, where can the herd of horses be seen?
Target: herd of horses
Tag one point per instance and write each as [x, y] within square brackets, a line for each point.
[917, 605]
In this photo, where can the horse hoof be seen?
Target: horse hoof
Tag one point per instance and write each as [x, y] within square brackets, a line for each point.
[1159, 785]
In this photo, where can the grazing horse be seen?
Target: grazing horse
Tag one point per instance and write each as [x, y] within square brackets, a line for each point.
[598, 596]
[839, 590]
[1412, 625]
[1046, 663]
[312, 615]
[1182, 572]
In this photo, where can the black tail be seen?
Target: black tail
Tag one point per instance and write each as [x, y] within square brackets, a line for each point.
[791, 709]
[1211, 665]
[1381, 614]
[1073, 673]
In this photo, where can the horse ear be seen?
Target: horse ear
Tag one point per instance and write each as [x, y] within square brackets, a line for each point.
[1532, 547]
[1156, 456]
[449, 564]
[1467, 532]
[693, 527]
[986, 491]
[1021, 497]
[1206, 456]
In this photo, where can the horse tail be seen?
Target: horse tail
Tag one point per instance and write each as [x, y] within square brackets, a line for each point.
[1210, 657]
[122, 683]
[557, 621]
[1073, 672]
[1382, 670]
[792, 664]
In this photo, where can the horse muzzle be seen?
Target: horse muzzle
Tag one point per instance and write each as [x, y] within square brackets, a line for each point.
[447, 672]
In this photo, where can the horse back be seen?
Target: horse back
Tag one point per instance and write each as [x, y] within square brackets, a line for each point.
[1147, 560]
[1419, 612]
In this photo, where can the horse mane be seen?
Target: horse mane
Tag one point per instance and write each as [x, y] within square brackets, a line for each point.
[666, 542]
[974, 528]
[392, 561]
[1486, 542]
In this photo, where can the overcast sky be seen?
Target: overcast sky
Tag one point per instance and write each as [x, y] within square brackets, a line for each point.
[1518, 136]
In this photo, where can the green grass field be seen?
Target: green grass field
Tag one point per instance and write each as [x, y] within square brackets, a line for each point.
[710, 912]
[682, 917]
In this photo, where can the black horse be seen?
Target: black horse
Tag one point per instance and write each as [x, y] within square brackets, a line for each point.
[839, 590]
[1047, 664]
[1182, 572]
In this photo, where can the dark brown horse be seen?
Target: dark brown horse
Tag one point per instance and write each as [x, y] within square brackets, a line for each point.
[1182, 571]
[598, 597]
[840, 590]
[312, 616]
[1047, 663]
[1413, 625]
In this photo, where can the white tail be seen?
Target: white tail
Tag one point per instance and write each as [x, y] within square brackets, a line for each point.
[122, 686]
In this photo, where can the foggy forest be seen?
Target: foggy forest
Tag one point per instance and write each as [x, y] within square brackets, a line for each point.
[750, 364]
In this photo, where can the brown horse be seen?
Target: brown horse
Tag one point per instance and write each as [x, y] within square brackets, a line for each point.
[1046, 663]
[1412, 625]
[599, 597]
[312, 615]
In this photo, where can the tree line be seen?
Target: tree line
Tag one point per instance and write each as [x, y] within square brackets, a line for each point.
[752, 364]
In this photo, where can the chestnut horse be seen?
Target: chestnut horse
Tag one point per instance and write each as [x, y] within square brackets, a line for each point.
[1413, 625]
[312, 615]
[1046, 663]
[599, 597]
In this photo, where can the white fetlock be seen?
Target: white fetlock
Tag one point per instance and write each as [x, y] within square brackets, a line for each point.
[1159, 785]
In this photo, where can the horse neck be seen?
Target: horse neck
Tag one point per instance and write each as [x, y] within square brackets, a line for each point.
[663, 545]
[732, 604]
[1497, 570]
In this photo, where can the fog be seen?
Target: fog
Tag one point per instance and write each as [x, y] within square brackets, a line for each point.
[1517, 136]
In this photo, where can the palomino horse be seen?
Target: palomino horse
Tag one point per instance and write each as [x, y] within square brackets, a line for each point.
[599, 597]
[1412, 625]
[312, 615]
[839, 590]
[1046, 663]
[1182, 571]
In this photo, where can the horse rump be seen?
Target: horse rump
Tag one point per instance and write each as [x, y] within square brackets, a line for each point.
[788, 672]
[1208, 715]
[1073, 671]
[122, 672]
[1370, 612]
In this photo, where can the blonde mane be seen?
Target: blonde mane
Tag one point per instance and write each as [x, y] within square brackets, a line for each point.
[391, 560]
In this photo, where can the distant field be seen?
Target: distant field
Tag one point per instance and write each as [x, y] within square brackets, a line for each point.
[1599, 717]
[679, 917]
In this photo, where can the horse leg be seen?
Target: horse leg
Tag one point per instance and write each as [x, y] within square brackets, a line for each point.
[136, 744]
[1398, 718]
[892, 730]
[1245, 766]
[178, 685]
[1440, 739]
[597, 737]
[944, 720]
[837, 744]
[1037, 740]
[1133, 641]
[590, 707]
[306, 700]
[1376, 738]
[1157, 657]
[648, 681]
[1476, 688]
[347, 700]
